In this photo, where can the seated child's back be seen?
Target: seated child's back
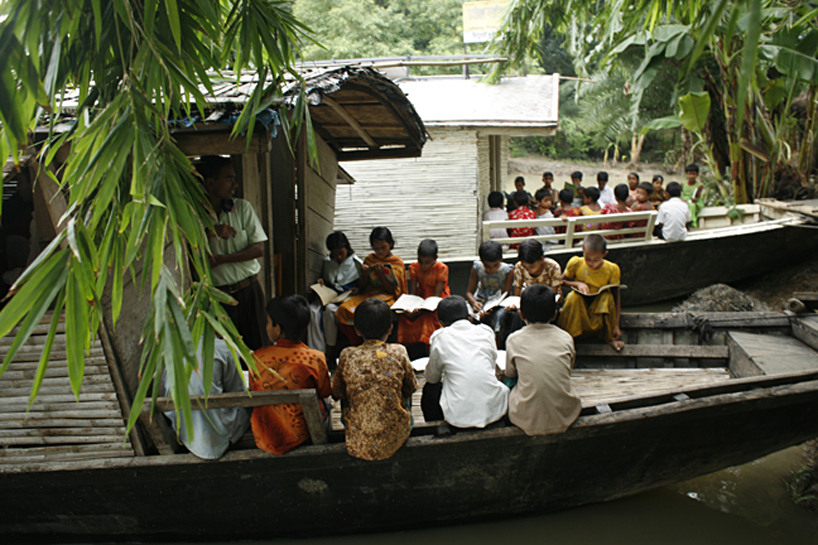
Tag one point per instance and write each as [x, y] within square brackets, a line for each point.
[288, 365]
[541, 356]
[374, 379]
[462, 356]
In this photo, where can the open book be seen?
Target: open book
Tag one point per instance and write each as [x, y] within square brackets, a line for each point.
[329, 295]
[601, 290]
[408, 303]
[501, 300]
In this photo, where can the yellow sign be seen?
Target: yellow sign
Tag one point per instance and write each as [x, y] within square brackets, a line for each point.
[481, 19]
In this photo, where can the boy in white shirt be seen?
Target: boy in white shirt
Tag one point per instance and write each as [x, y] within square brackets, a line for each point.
[674, 215]
[606, 194]
[462, 356]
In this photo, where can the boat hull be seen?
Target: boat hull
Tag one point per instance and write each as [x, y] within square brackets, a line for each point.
[320, 490]
[657, 271]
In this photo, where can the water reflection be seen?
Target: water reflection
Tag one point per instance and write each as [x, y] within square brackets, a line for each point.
[746, 505]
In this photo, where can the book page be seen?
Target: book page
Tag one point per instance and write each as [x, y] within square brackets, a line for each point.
[513, 300]
[605, 288]
[430, 303]
[342, 297]
[407, 302]
[494, 301]
[326, 294]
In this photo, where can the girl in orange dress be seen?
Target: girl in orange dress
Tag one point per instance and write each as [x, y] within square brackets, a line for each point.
[428, 277]
[383, 275]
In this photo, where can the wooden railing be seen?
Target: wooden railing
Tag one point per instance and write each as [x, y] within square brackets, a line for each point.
[574, 231]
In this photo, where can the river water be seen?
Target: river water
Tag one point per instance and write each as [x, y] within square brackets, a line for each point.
[744, 505]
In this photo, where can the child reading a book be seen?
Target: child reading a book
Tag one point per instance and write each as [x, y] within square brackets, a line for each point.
[374, 380]
[287, 365]
[622, 195]
[428, 277]
[462, 359]
[489, 278]
[340, 272]
[598, 315]
[383, 275]
[534, 268]
[541, 356]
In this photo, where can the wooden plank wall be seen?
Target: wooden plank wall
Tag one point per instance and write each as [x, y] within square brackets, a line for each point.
[58, 426]
[432, 196]
[319, 209]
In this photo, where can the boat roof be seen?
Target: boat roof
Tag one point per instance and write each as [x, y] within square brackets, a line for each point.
[517, 105]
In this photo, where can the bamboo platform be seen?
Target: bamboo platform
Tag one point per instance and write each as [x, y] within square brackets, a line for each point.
[601, 386]
[58, 426]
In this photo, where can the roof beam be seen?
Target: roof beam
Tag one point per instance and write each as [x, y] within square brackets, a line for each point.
[338, 109]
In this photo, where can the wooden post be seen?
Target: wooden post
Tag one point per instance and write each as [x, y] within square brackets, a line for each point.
[569, 233]
[650, 226]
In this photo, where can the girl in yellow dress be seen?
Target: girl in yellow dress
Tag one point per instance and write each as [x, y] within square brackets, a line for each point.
[587, 274]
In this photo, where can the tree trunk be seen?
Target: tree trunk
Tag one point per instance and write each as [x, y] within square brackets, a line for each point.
[636, 149]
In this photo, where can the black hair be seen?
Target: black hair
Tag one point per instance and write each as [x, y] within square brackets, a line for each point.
[337, 240]
[548, 173]
[692, 167]
[542, 193]
[538, 304]
[576, 175]
[496, 199]
[372, 319]
[490, 251]
[646, 186]
[427, 248]
[519, 179]
[592, 193]
[209, 166]
[658, 177]
[567, 195]
[622, 192]
[602, 176]
[451, 309]
[674, 189]
[530, 251]
[381, 233]
[521, 198]
[291, 313]
[595, 243]
[635, 175]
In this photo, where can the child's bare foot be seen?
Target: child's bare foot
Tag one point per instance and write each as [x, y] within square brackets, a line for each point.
[616, 344]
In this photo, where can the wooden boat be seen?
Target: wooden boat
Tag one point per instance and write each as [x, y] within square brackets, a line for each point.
[690, 394]
[723, 250]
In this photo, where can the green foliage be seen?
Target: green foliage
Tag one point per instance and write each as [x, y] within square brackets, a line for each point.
[132, 193]
[373, 28]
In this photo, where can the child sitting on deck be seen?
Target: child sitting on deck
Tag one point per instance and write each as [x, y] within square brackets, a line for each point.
[633, 183]
[566, 208]
[496, 213]
[692, 193]
[522, 212]
[591, 207]
[287, 365]
[489, 277]
[375, 380]
[541, 357]
[596, 315]
[341, 271]
[659, 194]
[674, 215]
[621, 207]
[428, 277]
[460, 383]
[383, 275]
[545, 202]
[642, 204]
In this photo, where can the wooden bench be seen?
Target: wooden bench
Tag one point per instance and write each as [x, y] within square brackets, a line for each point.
[574, 228]
[166, 441]
[58, 426]
[712, 217]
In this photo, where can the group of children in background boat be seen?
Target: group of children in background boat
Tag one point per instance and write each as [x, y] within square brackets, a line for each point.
[678, 205]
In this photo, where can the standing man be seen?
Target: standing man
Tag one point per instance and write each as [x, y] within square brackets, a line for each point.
[236, 243]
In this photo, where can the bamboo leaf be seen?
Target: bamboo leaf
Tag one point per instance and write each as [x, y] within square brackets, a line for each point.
[748, 62]
[76, 330]
[46, 353]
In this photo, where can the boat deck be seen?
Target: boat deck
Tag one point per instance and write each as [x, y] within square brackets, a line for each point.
[602, 386]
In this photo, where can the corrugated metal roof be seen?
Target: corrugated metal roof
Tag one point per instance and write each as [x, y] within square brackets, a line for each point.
[526, 102]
